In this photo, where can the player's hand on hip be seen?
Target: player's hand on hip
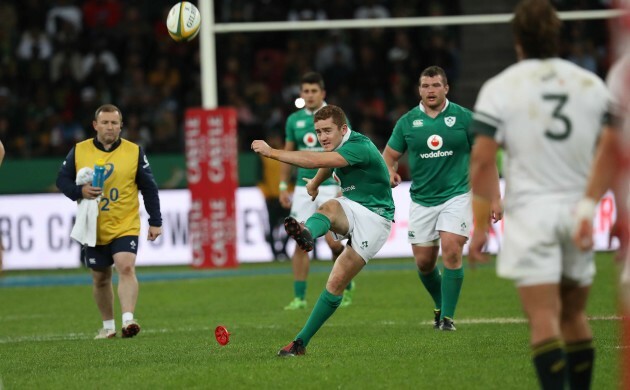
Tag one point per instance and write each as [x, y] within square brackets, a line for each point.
[261, 147]
[312, 190]
[90, 192]
[394, 179]
[154, 232]
[476, 248]
[497, 210]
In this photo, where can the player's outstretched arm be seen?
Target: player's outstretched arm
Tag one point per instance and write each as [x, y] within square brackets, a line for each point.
[300, 158]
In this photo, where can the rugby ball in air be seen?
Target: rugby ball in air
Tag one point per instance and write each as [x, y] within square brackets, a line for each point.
[183, 21]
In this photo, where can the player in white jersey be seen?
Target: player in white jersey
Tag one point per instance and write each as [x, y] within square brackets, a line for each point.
[547, 114]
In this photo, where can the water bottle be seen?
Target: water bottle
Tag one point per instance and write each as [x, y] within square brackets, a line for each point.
[99, 173]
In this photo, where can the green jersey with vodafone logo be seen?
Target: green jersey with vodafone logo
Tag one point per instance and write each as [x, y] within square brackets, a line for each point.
[300, 129]
[366, 179]
[438, 150]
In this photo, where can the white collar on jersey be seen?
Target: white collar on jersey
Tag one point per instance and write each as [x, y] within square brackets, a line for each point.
[443, 109]
[309, 112]
[344, 139]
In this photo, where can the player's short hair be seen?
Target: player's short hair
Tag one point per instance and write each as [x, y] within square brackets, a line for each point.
[433, 71]
[536, 28]
[337, 114]
[313, 78]
[107, 108]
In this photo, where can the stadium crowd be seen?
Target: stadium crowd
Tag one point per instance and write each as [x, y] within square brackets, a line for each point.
[60, 59]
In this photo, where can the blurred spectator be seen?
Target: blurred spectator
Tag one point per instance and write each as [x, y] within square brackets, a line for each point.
[340, 9]
[66, 133]
[136, 131]
[306, 10]
[166, 135]
[68, 62]
[334, 49]
[371, 9]
[582, 55]
[164, 75]
[102, 14]
[34, 44]
[100, 61]
[64, 11]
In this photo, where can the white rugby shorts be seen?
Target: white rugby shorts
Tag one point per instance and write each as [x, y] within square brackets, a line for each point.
[453, 216]
[538, 248]
[367, 230]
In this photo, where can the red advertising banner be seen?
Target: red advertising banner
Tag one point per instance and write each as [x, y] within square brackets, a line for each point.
[212, 172]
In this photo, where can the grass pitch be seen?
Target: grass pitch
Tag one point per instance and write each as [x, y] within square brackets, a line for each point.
[384, 340]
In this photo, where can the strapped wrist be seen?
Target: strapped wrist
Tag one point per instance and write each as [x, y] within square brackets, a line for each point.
[585, 209]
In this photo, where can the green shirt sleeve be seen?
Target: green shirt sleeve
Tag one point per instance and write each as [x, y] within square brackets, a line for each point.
[354, 153]
[397, 139]
[289, 134]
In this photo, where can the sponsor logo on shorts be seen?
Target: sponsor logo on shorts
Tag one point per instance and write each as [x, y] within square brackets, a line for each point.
[92, 260]
[463, 226]
[364, 244]
[411, 234]
[133, 244]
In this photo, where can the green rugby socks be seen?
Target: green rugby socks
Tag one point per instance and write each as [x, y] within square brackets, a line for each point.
[318, 224]
[324, 308]
[452, 280]
[433, 284]
[299, 288]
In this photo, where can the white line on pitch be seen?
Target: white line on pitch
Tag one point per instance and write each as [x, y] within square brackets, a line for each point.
[83, 336]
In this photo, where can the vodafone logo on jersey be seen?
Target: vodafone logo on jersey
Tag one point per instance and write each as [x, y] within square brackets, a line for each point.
[435, 142]
[310, 140]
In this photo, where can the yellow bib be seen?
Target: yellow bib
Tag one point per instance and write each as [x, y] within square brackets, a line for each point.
[119, 213]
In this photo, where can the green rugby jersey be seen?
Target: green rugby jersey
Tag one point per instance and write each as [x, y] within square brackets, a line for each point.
[300, 129]
[366, 179]
[439, 152]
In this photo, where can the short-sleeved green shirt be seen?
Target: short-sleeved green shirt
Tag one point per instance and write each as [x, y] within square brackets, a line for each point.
[439, 152]
[300, 129]
[366, 179]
